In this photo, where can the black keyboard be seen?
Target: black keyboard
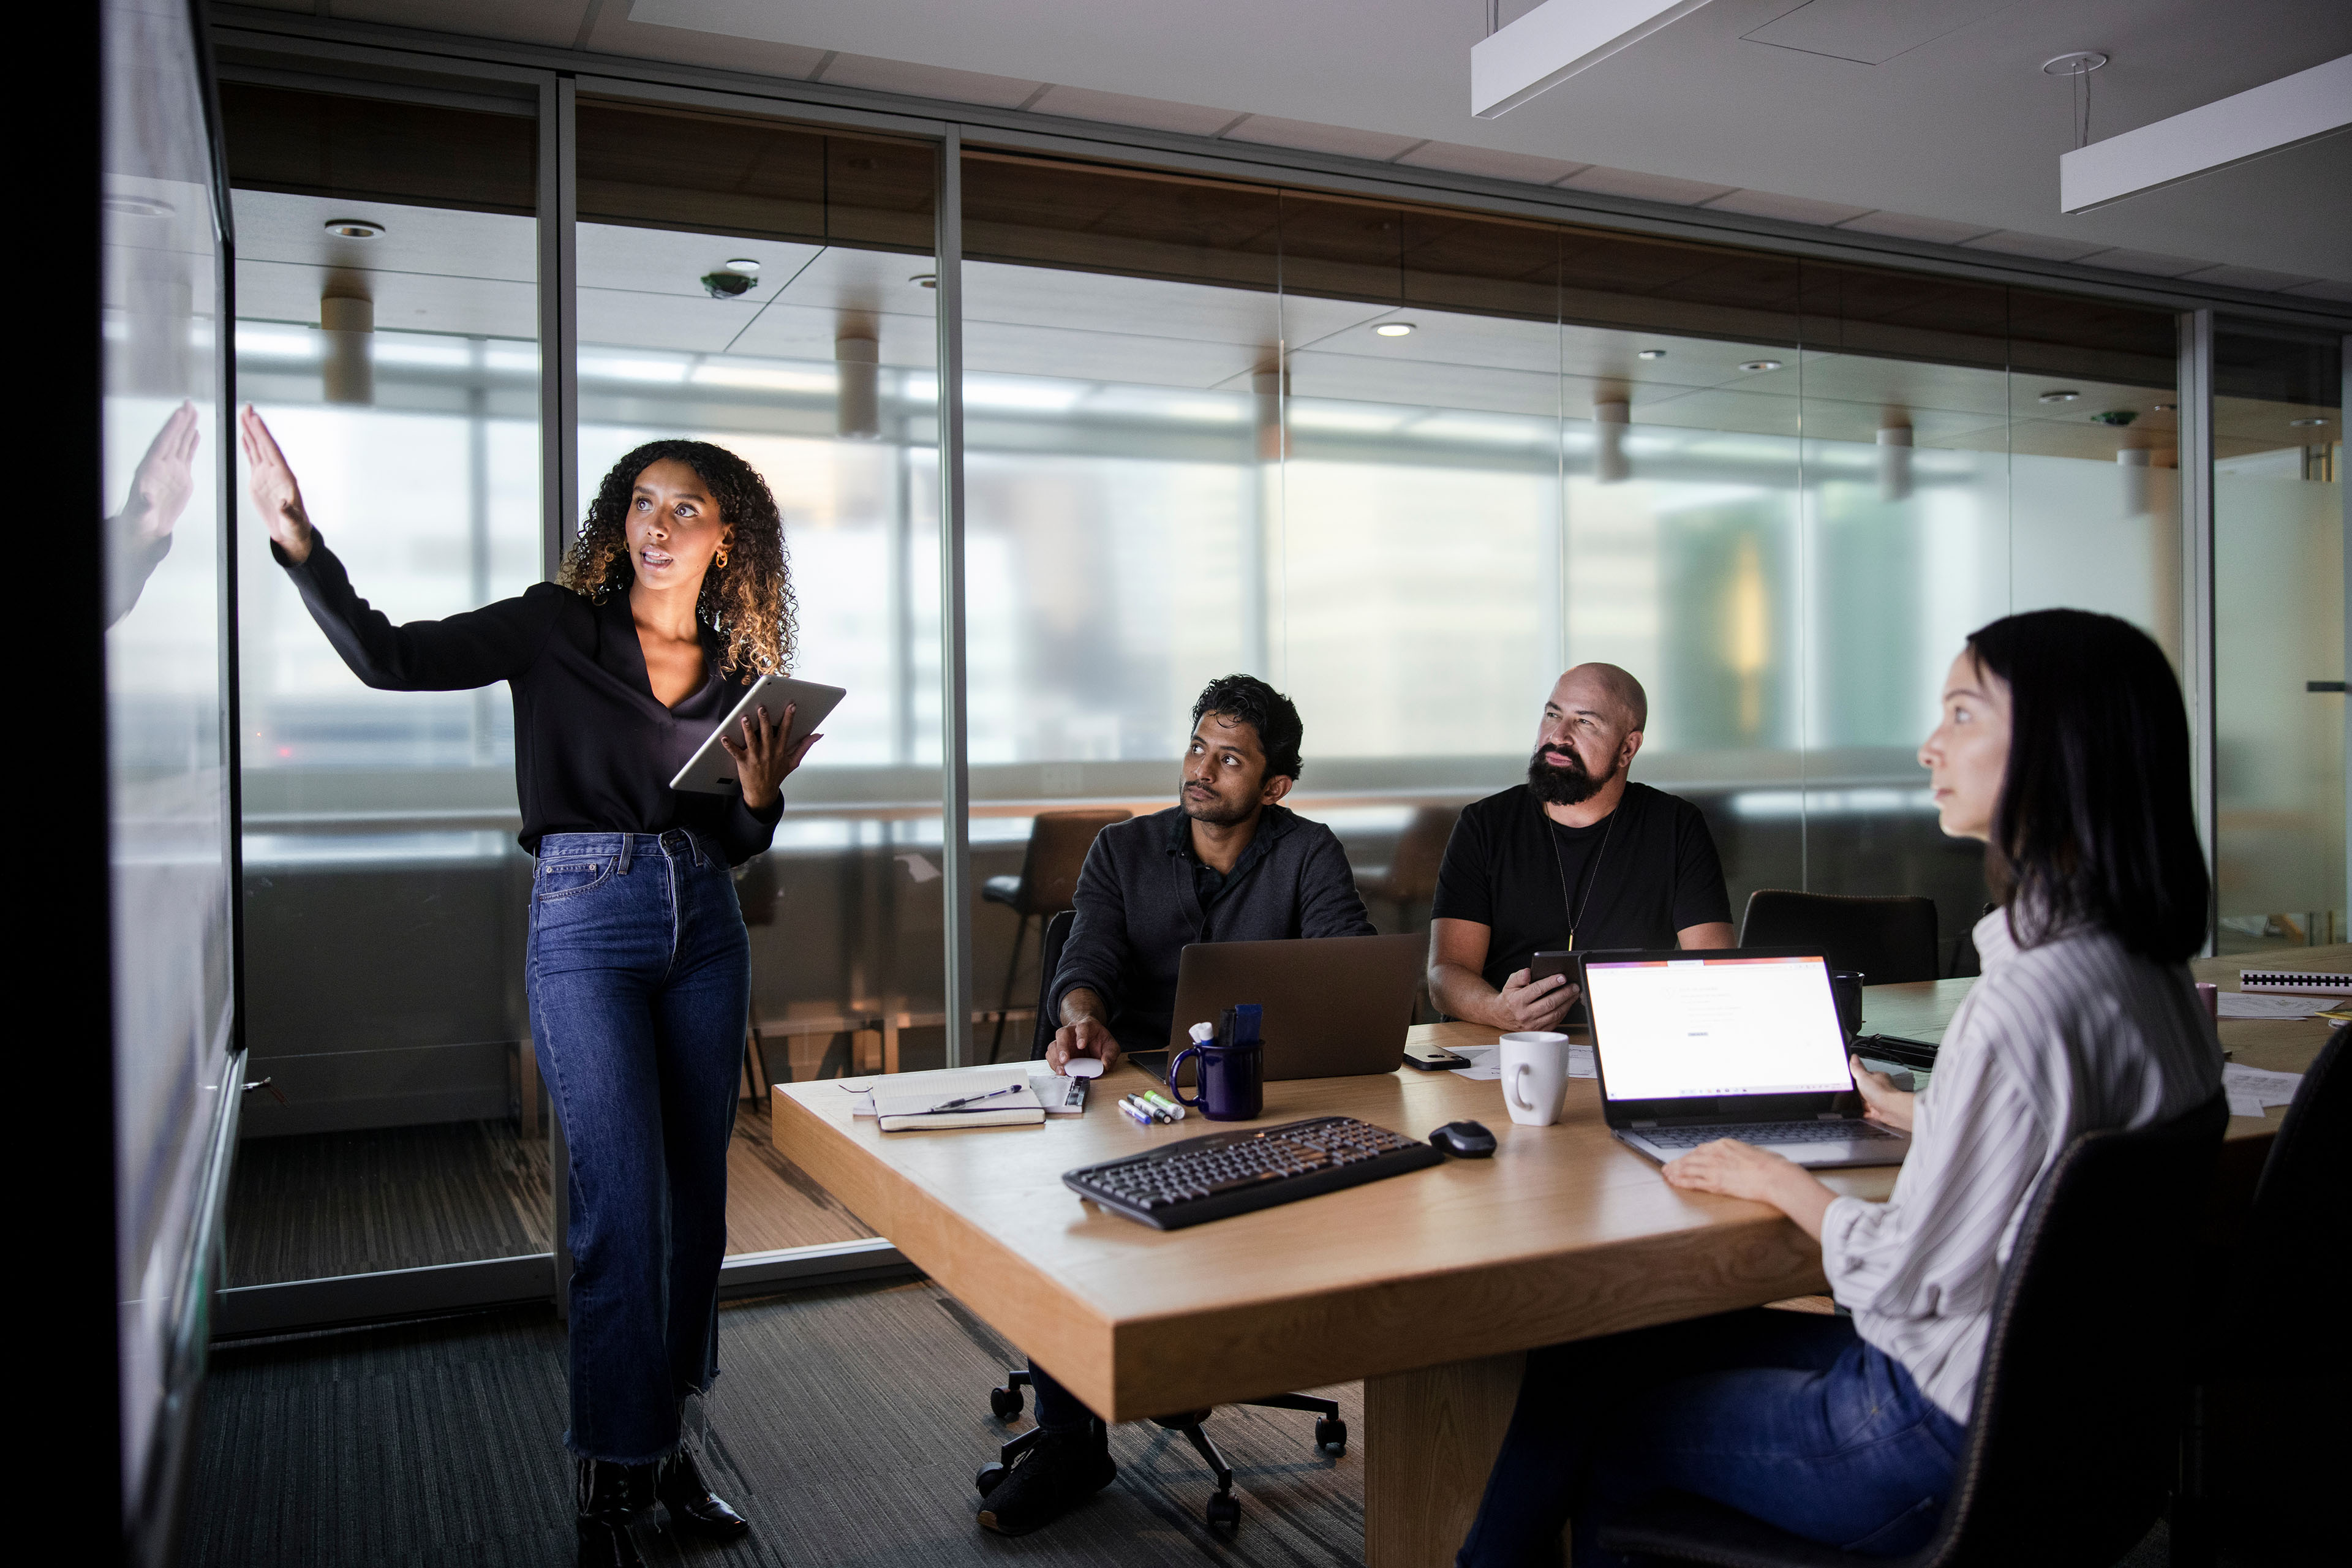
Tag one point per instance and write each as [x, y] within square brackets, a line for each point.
[1767, 1132]
[1233, 1172]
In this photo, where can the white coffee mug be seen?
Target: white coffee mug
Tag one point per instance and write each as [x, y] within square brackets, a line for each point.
[1534, 1076]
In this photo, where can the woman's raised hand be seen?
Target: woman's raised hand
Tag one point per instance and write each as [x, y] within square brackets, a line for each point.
[276, 496]
[1886, 1103]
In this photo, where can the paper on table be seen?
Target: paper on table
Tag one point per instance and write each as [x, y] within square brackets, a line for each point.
[2251, 1089]
[1487, 1062]
[943, 1085]
[2243, 1005]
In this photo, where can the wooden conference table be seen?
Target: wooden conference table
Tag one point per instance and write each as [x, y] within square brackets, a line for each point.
[1429, 1288]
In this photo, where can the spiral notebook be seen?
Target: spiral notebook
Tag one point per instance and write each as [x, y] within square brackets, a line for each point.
[2308, 982]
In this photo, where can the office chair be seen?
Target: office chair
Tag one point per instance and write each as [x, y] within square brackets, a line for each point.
[2280, 1275]
[1887, 939]
[1410, 876]
[1058, 842]
[1224, 1509]
[2070, 1441]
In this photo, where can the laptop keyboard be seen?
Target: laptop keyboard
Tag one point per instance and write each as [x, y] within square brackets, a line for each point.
[1766, 1132]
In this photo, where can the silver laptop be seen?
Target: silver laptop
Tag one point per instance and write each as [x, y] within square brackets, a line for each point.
[1334, 1006]
[1734, 1043]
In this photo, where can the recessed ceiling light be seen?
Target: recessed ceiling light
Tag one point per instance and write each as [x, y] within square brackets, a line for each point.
[2081, 62]
[1762, 364]
[743, 264]
[138, 206]
[927, 280]
[2061, 396]
[353, 227]
[1393, 329]
[1651, 353]
[2162, 407]
[2305, 423]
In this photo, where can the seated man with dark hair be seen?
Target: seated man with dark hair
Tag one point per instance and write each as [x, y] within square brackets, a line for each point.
[1227, 863]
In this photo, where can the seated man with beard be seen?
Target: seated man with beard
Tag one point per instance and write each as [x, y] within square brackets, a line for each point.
[1577, 856]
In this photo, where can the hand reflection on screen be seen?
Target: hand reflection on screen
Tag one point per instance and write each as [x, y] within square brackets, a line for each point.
[140, 535]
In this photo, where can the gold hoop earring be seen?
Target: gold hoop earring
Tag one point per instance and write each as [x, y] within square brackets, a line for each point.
[722, 557]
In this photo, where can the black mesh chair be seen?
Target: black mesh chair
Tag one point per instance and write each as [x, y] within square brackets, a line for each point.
[1058, 842]
[2071, 1440]
[1224, 1509]
[1887, 941]
[2283, 1276]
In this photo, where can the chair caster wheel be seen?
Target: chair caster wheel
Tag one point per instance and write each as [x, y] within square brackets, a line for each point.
[1007, 1402]
[1225, 1511]
[1331, 1435]
[990, 1474]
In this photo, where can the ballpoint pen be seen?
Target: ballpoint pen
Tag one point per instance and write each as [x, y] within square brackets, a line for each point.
[976, 1099]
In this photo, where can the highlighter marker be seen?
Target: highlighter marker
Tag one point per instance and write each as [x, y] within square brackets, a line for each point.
[1174, 1111]
[1149, 1109]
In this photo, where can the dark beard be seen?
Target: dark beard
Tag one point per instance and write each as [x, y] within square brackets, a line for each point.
[1570, 785]
[1217, 814]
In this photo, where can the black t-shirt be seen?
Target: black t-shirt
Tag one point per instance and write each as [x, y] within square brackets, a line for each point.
[1658, 874]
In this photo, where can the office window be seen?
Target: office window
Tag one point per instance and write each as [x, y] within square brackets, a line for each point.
[766, 288]
[2278, 632]
[387, 293]
[1408, 464]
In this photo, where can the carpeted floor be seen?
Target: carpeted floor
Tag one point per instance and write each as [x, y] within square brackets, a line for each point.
[847, 1424]
[313, 1205]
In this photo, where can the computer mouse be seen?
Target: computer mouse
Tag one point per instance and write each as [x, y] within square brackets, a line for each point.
[1082, 1067]
[1464, 1139]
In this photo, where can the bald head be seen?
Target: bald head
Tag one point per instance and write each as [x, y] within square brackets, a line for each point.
[1604, 689]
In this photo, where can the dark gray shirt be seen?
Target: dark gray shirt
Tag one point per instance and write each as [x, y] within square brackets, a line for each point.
[1142, 897]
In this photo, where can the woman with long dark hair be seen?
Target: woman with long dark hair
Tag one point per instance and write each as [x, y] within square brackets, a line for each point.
[674, 599]
[2063, 745]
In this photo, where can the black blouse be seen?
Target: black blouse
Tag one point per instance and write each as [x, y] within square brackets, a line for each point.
[594, 748]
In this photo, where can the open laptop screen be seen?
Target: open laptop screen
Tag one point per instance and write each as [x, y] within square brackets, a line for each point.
[1700, 1027]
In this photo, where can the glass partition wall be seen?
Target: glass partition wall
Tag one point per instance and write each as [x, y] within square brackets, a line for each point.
[2278, 637]
[1408, 464]
[1405, 462]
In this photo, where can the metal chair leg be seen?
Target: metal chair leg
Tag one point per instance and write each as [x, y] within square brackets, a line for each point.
[1020, 935]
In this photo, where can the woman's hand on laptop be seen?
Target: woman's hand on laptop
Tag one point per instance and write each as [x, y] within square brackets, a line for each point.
[1522, 1005]
[1887, 1103]
[1737, 1170]
[1089, 1036]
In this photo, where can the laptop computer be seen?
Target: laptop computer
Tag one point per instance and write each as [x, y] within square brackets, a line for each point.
[1335, 1006]
[1733, 1043]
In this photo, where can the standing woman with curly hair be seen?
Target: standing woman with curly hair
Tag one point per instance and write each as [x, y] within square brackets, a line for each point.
[673, 601]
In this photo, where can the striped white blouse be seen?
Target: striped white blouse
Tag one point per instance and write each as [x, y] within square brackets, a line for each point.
[2069, 1036]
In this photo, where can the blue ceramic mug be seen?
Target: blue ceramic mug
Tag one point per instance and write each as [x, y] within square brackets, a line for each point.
[1230, 1078]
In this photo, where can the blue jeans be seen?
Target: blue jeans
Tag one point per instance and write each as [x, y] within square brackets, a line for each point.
[639, 974]
[1788, 1416]
[1058, 1410]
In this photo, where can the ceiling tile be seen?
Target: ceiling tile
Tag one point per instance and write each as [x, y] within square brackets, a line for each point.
[1084, 103]
[614, 32]
[2041, 247]
[1903, 226]
[1790, 209]
[2144, 261]
[929, 81]
[555, 21]
[1645, 187]
[2251, 278]
[1305, 133]
[1491, 164]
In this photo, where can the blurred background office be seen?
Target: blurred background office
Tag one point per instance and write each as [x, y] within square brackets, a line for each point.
[1404, 424]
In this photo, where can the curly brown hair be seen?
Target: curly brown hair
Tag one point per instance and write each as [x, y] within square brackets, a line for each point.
[749, 601]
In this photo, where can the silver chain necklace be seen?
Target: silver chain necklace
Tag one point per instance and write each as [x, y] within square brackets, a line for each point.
[1575, 911]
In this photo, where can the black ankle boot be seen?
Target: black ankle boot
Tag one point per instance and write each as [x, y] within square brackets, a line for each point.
[609, 1496]
[678, 1482]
